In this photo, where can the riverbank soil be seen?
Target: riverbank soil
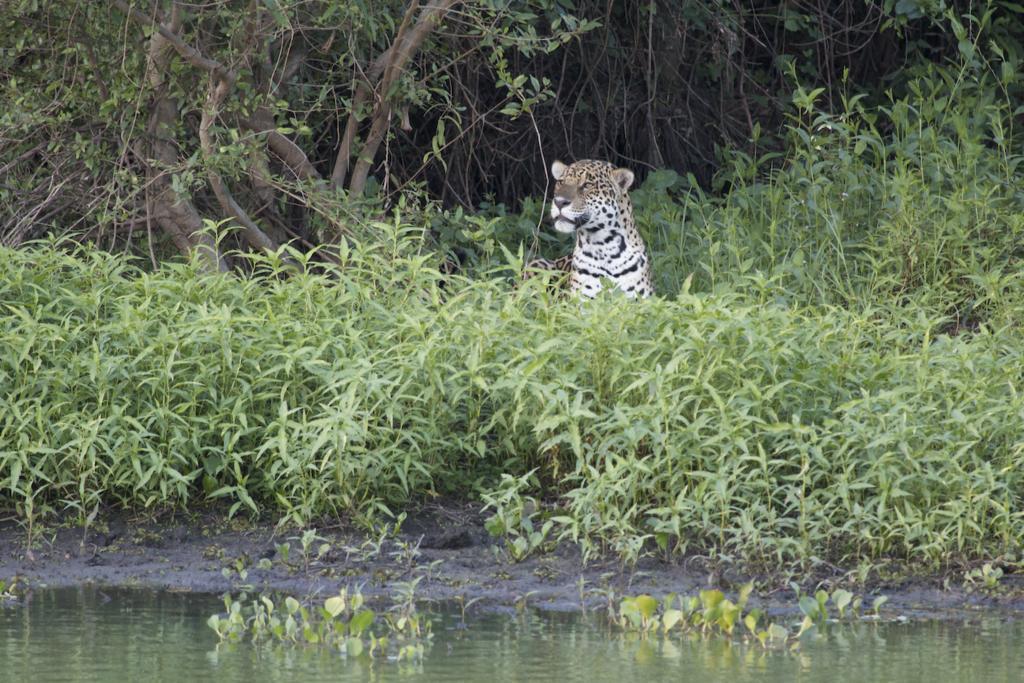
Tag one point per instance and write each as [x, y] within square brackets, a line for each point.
[443, 546]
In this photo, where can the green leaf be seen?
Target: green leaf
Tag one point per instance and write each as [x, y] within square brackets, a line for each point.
[750, 621]
[776, 632]
[670, 618]
[729, 614]
[646, 605]
[822, 599]
[878, 602]
[279, 16]
[360, 622]
[495, 526]
[710, 599]
[745, 591]
[806, 625]
[809, 606]
[354, 647]
[842, 599]
[335, 605]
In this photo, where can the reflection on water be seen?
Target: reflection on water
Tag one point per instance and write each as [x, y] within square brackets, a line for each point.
[102, 635]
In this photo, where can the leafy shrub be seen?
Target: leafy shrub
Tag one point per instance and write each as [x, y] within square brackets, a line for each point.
[832, 370]
[766, 433]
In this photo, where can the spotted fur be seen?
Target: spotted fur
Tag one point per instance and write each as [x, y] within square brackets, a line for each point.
[561, 266]
[591, 200]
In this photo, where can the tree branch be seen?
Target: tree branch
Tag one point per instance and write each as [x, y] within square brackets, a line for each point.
[283, 146]
[175, 213]
[362, 94]
[187, 52]
[254, 235]
[406, 47]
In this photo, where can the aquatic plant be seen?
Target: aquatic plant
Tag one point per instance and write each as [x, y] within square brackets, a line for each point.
[985, 578]
[341, 622]
[711, 613]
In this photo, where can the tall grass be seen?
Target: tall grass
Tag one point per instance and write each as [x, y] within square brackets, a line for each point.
[833, 370]
[764, 433]
[916, 202]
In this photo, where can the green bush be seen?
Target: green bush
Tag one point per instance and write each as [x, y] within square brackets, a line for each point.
[832, 369]
[765, 433]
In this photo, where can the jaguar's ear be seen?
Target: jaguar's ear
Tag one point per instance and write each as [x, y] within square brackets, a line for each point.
[558, 169]
[623, 177]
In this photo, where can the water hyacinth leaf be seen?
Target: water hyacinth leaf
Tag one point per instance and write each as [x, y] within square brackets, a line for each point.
[360, 622]
[646, 605]
[291, 604]
[842, 599]
[353, 647]
[744, 595]
[878, 602]
[728, 614]
[777, 632]
[711, 615]
[809, 606]
[806, 625]
[335, 605]
[711, 598]
[751, 620]
[630, 612]
[670, 618]
[822, 599]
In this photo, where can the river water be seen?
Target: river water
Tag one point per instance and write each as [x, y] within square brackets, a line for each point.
[100, 635]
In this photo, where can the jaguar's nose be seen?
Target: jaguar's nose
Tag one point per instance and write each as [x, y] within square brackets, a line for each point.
[562, 202]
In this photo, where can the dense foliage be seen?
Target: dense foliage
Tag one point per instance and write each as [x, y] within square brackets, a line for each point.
[766, 433]
[129, 122]
[833, 369]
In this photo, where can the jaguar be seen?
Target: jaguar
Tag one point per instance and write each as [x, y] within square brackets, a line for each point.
[591, 200]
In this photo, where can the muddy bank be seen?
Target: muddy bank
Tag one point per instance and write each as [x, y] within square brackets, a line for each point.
[444, 546]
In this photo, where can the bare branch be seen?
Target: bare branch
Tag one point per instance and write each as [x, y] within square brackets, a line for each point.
[282, 146]
[187, 52]
[254, 235]
[405, 46]
[175, 214]
[362, 94]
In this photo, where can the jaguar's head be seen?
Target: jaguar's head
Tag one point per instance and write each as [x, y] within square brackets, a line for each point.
[588, 195]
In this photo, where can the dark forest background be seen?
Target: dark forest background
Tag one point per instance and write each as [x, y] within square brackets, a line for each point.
[129, 123]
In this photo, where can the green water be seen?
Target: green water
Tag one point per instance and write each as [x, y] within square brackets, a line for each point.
[98, 635]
